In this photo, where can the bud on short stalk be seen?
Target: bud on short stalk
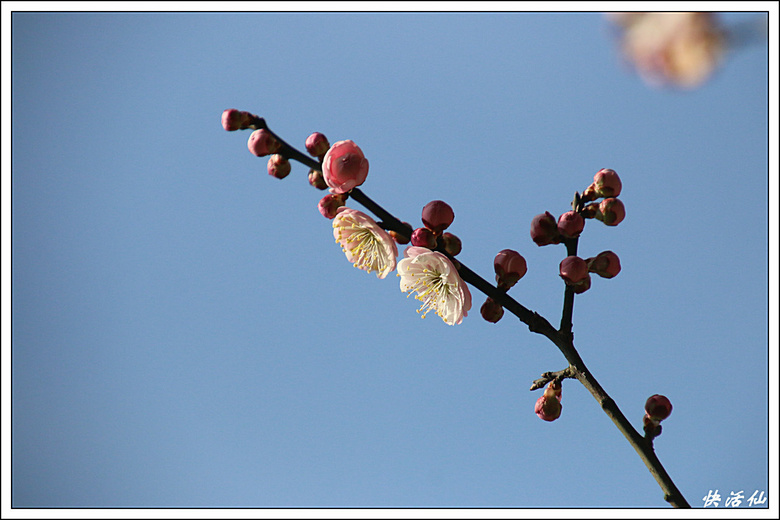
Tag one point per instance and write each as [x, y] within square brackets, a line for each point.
[437, 216]
[262, 143]
[279, 166]
[606, 264]
[317, 180]
[606, 183]
[423, 237]
[548, 406]
[317, 145]
[329, 204]
[510, 266]
[611, 211]
[491, 310]
[570, 224]
[544, 230]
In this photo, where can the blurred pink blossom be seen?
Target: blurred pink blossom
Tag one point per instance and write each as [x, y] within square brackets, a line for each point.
[681, 49]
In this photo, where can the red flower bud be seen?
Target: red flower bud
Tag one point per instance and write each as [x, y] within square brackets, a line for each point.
[510, 266]
[606, 264]
[317, 180]
[261, 143]
[452, 244]
[606, 183]
[317, 144]
[573, 270]
[491, 310]
[548, 406]
[658, 407]
[437, 216]
[570, 224]
[544, 230]
[611, 211]
[423, 237]
[279, 166]
[329, 204]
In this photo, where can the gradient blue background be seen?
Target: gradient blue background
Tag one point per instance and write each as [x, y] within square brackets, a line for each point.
[186, 333]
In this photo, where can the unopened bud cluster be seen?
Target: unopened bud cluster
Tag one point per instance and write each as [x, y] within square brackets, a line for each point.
[233, 119]
[657, 408]
[510, 267]
[606, 185]
[548, 407]
[436, 216]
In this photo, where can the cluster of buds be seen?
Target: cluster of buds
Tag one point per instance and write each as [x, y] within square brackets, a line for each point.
[317, 145]
[607, 186]
[548, 406]
[657, 408]
[510, 267]
[437, 216]
[233, 119]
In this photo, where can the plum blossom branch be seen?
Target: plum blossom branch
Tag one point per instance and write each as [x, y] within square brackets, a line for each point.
[433, 271]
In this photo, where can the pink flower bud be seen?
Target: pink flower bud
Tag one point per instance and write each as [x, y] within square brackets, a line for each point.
[570, 224]
[658, 407]
[317, 180]
[491, 310]
[400, 238]
[317, 144]
[544, 230]
[231, 119]
[452, 244]
[329, 205]
[437, 216]
[548, 406]
[344, 166]
[606, 264]
[279, 166]
[573, 270]
[607, 183]
[262, 143]
[510, 266]
[423, 237]
[611, 211]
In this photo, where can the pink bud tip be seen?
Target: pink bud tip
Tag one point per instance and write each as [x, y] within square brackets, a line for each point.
[262, 143]
[544, 230]
[606, 264]
[510, 266]
[317, 144]
[344, 166]
[573, 270]
[570, 224]
[658, 407]
[423, 237]
[437, 216]
[612, 211]
[491, 310]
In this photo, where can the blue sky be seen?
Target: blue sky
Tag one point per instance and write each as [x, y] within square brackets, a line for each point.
[186, 333]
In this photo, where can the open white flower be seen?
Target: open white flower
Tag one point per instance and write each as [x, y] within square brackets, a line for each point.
[367, 246]
[432, 276]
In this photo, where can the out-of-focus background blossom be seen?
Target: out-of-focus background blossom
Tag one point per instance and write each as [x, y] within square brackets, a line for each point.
[678, 49]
